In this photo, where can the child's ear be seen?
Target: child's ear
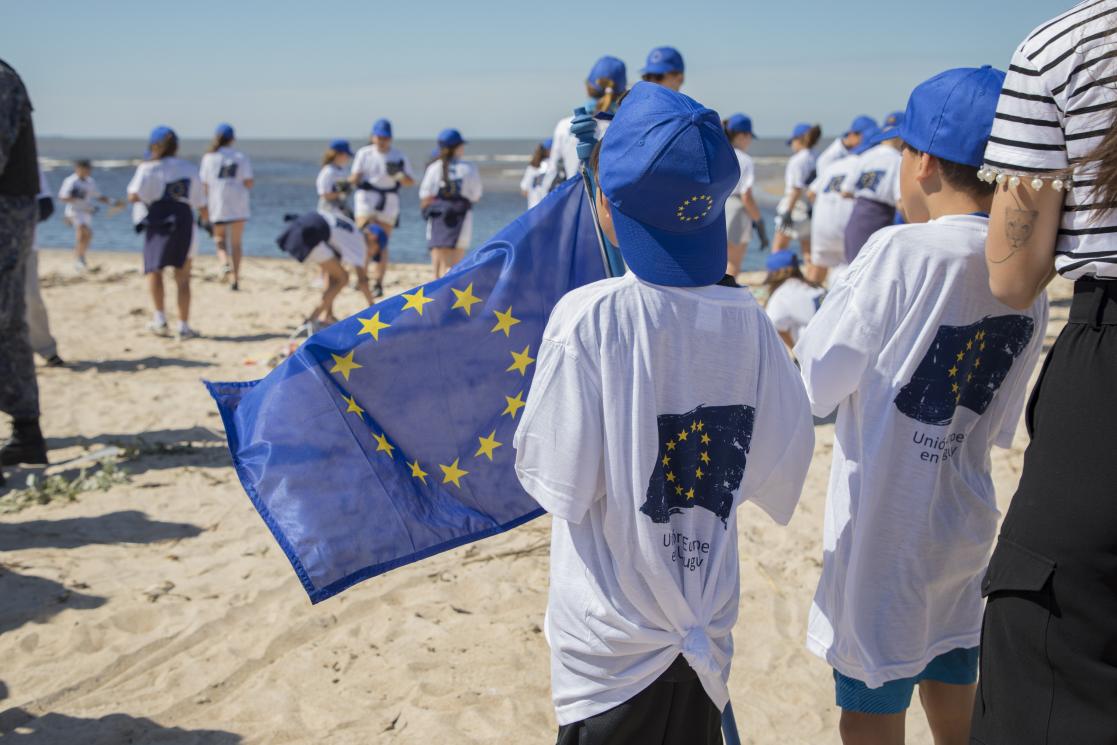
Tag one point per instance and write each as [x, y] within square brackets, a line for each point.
[928, 167]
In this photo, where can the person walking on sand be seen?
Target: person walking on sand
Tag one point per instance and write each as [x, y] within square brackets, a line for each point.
[226, 176]
[742, 214]
[533, 185]
[19, 186]
[449, 190]
[38, 324]
[332, 183]
[79, 192]
[793, 219]
[169, 188]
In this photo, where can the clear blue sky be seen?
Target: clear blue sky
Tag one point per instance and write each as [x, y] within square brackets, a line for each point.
[492, 69]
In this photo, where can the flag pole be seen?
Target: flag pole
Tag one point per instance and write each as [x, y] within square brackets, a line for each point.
[584, 128]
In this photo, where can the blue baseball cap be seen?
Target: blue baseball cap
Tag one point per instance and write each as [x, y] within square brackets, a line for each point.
[860, 124]
[341, 146]
[800, 129]
[224, 130]
[950, 115]
[890, 129]
[382, 128]
[892, 120]
[159, 133]
[868, 139]
[781, 260]
[450, 138]
[663, 60]
[378, 233]
[609, 68]
[666, 169]
[548, 143]
[739, 124]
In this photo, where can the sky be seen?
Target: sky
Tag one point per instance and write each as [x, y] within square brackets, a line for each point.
[281, 69]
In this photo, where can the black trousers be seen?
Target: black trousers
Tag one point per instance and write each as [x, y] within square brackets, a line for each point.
[674, 710]
[1049, 639]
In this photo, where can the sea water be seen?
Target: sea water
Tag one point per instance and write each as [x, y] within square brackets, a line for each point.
[284, 174]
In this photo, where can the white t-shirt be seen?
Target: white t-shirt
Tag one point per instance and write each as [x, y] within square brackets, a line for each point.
[172, 178]
[831, 209]
[834, 152]
[223, 173]
[748, 173]
[797, 175]
[345, 238]
[792, 306]
[329, 177]
[877, 175]
[83, 191]
[928, 371]
[535, 183]
[462, 172]
[382, 170]
[646, 403]
[564, 148]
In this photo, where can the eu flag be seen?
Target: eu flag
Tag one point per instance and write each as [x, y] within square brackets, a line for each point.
[701, 461]
[386, 438]
[964, 366]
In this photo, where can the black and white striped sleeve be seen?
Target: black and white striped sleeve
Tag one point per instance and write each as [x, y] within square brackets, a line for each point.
[1027, 134]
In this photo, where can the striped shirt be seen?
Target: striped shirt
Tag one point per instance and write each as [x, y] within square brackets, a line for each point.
[1058, 101]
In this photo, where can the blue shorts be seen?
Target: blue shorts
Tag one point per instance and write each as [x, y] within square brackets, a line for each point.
[957, 667]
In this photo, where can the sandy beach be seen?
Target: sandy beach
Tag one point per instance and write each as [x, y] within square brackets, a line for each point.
[154, 606]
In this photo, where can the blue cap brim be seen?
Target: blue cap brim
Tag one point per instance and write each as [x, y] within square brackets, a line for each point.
[693, 259]
[661, 69]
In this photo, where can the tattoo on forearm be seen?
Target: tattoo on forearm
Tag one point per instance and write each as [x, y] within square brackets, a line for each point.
[1019, 225]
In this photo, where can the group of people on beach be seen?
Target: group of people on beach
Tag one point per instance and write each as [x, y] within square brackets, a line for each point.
[665, 398]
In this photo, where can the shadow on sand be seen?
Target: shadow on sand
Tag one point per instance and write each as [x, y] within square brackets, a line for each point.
[19, 726]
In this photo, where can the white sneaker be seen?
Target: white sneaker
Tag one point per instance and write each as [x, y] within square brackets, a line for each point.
[159, 329]
[185, 332]
[80, 266]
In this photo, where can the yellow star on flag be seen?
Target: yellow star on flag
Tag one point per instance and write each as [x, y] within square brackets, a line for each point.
[705, 458]
[693, 426]
[700, 426]
[953, 371]
[682, 436]
[521, 361]
[383, 446]
[416, 300]
[678, 490]
[698, 473]
[465, 299]
[982, 347]
[372, 326]
[960, 356]
[488, 445]
[418, 472]
[969, 345]
[505, 321]
[705, 439]
[353, 408]
[345, 365]
[954, 388]
[515, 403]
[690, 493]
[670, 445]
[670, 476]
[977, 362]
[666, 460]
[451, 474]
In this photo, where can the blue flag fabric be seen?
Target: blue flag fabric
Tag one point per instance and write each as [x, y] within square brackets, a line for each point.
[965, 366]
[386, 438]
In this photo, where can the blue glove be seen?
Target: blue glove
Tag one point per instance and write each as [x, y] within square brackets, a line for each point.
[584, 128]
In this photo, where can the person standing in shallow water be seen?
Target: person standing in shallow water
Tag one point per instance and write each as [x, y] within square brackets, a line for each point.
[19, 187]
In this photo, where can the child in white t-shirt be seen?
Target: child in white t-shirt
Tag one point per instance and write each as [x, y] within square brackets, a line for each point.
[227, 178]
[661, 402]
[332, 183]
[534, 183]
[742, 215]
[792, 299]
[793, 220]
[832, 209]
[874, 186]
[449, 190]
[79, 193]
[928, 371]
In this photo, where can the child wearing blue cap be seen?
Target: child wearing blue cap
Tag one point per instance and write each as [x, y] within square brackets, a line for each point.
[605, 84]
[831, 210]
[534, 183]
[665, 67]
[379, 170]
[793, 300]
[742, 214]
[169, 189]
[874, 186]
[447, 193]
[793, 220]
[662, 400]
[332, 183]
[79, 192]
[226, 175]
[844, 146]
[928, 371]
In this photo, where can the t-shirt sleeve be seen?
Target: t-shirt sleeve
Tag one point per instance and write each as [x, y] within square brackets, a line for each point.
[324, 184]
[1027, 131]
[358, 167]
[94, 192]
[197, 194]
[560, 441]
[246, 168]
[472, 187]
[145, 185]
[748, 175]
[846, 333]
[849, 183]
[428, 187]
[529, 177]
[407, 168]
[68, 184]
[798, 173]
[779, 309]
[782, 437]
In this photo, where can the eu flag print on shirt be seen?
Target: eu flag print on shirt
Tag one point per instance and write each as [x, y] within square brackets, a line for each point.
[387, 437]
[964, 366]
[701, 461]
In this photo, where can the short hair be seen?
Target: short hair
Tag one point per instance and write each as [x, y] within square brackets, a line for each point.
[83, 163]
[654, 77]
[959, 176]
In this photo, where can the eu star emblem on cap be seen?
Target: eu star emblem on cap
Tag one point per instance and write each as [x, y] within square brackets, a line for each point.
[951, 115]
[666, 169]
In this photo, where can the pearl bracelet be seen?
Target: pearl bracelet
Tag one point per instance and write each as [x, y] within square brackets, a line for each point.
[990, 175]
